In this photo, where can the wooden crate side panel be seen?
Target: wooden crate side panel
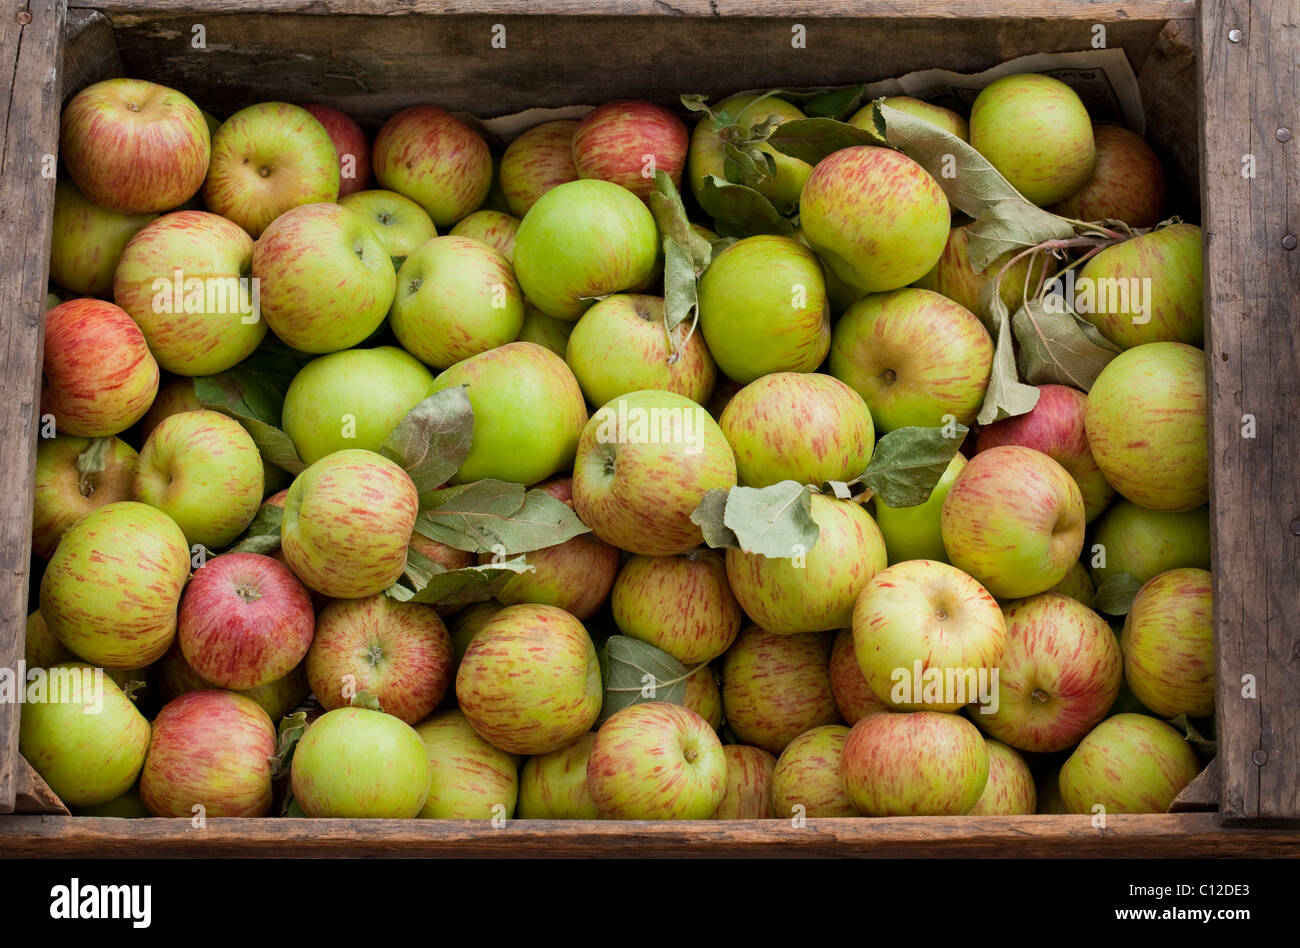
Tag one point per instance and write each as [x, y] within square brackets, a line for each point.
[89, 52]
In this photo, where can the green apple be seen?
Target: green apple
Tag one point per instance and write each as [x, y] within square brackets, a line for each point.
[708, 151]
[41, 647]
[915, 533]
[937, 115]
[1129, 763]
[1077, 584]
[436, 160]
[546, 331]
[807, 775]
[1168, 644]
[128, 806]
[536, 161]
[680, 604]
[1010, 789]
[1143, 543]
[73, 477]
[87, 241]
[493, 228]
[400, 224]
[554, 786]
[748, 791]
[775, 687]
[472, 780]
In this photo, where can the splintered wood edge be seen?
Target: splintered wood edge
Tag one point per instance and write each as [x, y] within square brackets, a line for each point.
[1202, 794]
[32, 794]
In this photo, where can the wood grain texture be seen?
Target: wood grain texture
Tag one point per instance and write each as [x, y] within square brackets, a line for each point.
[1250, 90]
[1187, 835]
[31, 793]
[1173, 121]
[89, 51]
[1202, 795]
[29, 57]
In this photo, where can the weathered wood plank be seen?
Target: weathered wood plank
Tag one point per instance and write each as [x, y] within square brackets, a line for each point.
[89, 51]
[1173, 126]
[1202, 794]
[1251, 173]
[31, 44]
[32, 794]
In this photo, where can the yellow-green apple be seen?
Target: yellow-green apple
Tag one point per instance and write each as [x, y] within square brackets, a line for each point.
[471, 779]
[576, 575]
[244, 621]
[703, 696]
[465, 624]
[267, 159]
[921, 764]
[128, 806]
[955, 277]
[209, 749]
[493, 228]
[554, 786]
[925, 626]
[915, 357]
[626, 142]
[530, 680]
[644, 462]
[435, 159]
[814, 590]
[456, 297]
[1143, 543]
[87, 241]
[1146, 289]
[915, 533]
[350, 144]
[1035, 130]
[398, 651]
[400, 224]
[1013, 519]
[352, 399]
[775, 687]
[763, 308]
[1147, 426]
[1168, 644]
[937, 115]
[798, 426]
[546, 331]
[708, 151]
[73, 477]
[1077, 584]
[807, 775]
[113, 585]
[347, 522]
[536, 161]
[203, 470]
[853, 696]
[583, 240]
[1055, 427]
[747, 793]
[360, 764]
[133, 146]
[1127, 182]
[621, 345]
[41, 647]
[174, 677]
[1059, 677]
[86, 739]
[326, 280]
[680, 604]
[528, 413]
[1010, 789]
[99, 376]
[875, 217]
[173, 398]
[656, 761]
[1129, 763]
[184, 279]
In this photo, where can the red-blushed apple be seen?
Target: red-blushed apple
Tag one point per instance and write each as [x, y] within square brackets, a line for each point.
[267, 159]
[530, 680]
[536, 161]
[73, 477]
[133, 146]
[626, 142]
[244, 621]
[99, 375]
[875, 217]
[680, 604]
[1147, 426]
[798, 426]
[400, 224]
[956, 278]
[1127, 182]
[937, 115]
[1059, 677]
[112, 588]
[1144, 543]
[806, 781]
[708, 151]
[1168, 644]
[493, 228]
[210, 750]
[472, 780]
[1129, 763]
[656, 761]
[41, 647]
[644, 462]
[173, 398]
[703, 696]
[398, 651]
[775, 687]
[436, 160]
[1014, 520]
[1077, 584]
[87, 241]
[357, 763]
[925, 763]
[1010, 789]
[915, 357]
[813, 590]
[924, 626]
[350, 144]
[621, 345]
[747, 793]
[445, 555]
[853, 696]
[173, 677]
[1055, 427]
[916, 533]
[553, 786]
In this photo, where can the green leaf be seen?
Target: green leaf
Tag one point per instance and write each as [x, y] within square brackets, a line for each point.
[491, 516]
[460, 587]
[670, 217]
[838, 102]
[1007, 225]
[1115, 594]
[263, 534]
[908, 462]
[812, 139]
[747, 165]
[741, 210]
[290, 732]
[1060, 348]
[1006, 395]
[710, 517]
[772, 521]
[366, 699]
[681, 287]
[432, 441]
[637, 672]
[253, 393]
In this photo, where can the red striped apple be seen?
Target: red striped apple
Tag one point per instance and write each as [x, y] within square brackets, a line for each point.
[471, 779]
[1127, 182]
[936, 115]
[356, 763]
[680, 604]
[708, 151]
[703, 696]
[538, 160]
[775, 687]
[807, 775]
[853, 696]
[1010, 789]
[173, 677]
[494, 228]
[747, 794]
[1144, 543]
[400, 224]
[173, 398]
[553, 786]
[436, 160]
[73, 477]
[87, 241]
[1130, 763]
[1168, 644]
[350, 144]
[626, 142]
[955, 277]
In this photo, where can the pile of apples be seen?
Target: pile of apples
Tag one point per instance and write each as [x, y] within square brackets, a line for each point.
[514, 520]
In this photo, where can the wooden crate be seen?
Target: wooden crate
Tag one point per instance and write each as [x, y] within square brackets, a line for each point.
[1219, 85]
